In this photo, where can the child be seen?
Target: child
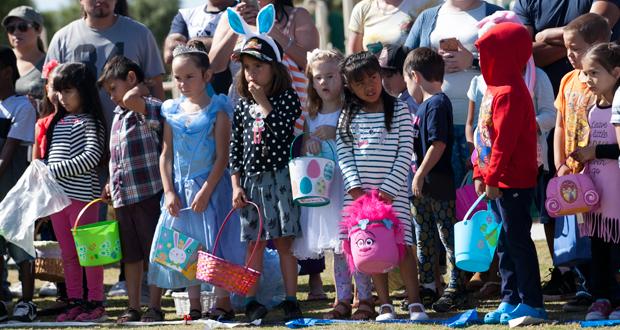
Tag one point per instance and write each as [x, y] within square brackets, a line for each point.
[433, 183]
[75, 148]
[135, 184]
[375, 146]
[506, 166]
[574, 98]
[262, 134]
[391, 60]
[601, 66]
[196, 183]
[17, 119]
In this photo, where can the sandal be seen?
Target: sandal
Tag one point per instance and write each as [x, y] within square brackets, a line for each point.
[220, 314]
[335, 314]
[364, 314]
[130, 315]
[195, 314]
[153, 315]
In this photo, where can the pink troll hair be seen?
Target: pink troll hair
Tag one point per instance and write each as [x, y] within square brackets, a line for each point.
[372, 208]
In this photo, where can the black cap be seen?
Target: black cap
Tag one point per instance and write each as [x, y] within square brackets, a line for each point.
[260, 49]
[392, 57]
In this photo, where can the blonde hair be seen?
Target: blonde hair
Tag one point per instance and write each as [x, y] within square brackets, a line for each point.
[319, 55]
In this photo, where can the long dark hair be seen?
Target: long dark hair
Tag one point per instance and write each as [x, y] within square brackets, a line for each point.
[77, 75]
[607, 55]
[280, 7]
[354, 68]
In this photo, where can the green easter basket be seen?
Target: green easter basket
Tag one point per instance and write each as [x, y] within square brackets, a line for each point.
[98, 243]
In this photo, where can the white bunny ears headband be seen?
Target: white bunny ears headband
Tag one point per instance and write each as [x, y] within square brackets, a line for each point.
[264, 23]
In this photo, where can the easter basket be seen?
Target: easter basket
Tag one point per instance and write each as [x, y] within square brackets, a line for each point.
[98, 243]
[48, 264]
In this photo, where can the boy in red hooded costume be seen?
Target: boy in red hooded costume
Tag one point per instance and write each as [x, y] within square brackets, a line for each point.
[506, 166]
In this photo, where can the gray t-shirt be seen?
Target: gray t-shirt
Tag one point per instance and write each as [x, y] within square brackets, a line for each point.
[31, 83]
[77, 42]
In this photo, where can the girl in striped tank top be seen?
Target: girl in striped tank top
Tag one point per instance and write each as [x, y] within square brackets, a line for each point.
[375, 146]
[76, 138]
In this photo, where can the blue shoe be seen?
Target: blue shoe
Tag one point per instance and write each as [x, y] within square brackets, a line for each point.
[523, 310]
[495, 316]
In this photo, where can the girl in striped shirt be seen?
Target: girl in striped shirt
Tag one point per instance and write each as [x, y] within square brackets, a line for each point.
[76, 138]
[375, 146]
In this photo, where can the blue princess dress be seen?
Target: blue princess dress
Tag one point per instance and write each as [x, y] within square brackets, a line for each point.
[194, 155]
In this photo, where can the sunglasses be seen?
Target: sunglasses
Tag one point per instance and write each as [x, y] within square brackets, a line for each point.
[22, 27]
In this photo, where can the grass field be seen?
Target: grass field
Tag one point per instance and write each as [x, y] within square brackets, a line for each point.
[317, 308]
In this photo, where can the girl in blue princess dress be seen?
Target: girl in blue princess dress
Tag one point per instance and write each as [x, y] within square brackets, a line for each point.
[197, 186]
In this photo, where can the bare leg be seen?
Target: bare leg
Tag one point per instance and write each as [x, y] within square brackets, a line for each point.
[288, 264]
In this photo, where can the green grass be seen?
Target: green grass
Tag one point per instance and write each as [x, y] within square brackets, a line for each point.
[317, 308]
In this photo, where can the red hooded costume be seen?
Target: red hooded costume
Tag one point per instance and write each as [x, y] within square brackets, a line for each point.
[505, 138]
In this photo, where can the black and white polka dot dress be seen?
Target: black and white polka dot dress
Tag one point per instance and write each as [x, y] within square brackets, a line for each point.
[263, 165]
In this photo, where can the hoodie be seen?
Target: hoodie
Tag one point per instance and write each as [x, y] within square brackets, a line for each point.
[505, 138]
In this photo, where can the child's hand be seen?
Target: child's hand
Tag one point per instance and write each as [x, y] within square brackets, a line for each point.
[258, 92]
[201, 201]
[584, 154]
[239, 198]
[356, 193]
[172, 203]
[563, 170]
[325, 132]
[105, 194]
[417, 184]
[493, 193]
[385, 197]
[480, 186]
[313, 146]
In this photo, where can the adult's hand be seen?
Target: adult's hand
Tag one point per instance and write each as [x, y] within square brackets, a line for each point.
[458, 60]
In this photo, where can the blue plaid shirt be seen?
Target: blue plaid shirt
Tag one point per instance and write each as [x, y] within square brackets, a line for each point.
[135, 145]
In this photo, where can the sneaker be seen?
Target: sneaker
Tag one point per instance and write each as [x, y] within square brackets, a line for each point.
[521, 311]
[16, 290]
[291, 310]
[494, 317]
[75, 308]
[559, 286]
[383, 315]
[599, 310]
[615, 315]
[48, 289]
[579, 304]
[94, 312]
[24, 311]
[118, 289]
[417, 316]
[428, 297]
[255, 311]
[4, 312]
[450, 300]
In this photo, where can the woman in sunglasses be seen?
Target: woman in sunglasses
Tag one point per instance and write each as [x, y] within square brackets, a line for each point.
[23, 26]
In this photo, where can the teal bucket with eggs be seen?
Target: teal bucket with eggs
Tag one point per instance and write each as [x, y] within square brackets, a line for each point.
[311, 177]
[475, 239]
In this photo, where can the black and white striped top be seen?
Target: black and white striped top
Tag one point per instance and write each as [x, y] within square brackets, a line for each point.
[75, 151]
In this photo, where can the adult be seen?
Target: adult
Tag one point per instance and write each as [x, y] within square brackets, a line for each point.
[454, 19]
[197, 22]
[294, 30]
[375, 23]
[100, 35]
[24, 26]
[545, 20]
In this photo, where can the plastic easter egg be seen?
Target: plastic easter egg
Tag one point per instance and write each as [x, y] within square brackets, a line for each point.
[305, 186]
[313, 170]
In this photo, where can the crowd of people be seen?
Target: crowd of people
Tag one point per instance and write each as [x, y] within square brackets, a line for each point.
[430, 94]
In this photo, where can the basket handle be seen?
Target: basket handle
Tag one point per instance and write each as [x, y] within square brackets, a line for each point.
[77, 220]
[473, 207]
[290, 154]
[260, 231]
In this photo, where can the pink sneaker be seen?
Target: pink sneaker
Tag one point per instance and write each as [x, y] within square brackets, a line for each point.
[71, 313]
[599, 310]
[93, 313]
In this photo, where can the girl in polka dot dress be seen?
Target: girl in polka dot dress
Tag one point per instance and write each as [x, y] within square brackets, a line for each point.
[263, 125]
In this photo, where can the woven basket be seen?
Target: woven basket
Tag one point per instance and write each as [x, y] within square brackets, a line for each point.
[224, 274]
[48, 264]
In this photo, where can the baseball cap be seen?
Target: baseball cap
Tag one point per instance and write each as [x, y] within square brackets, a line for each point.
[260, 49]
[26, 13]
[392, 57]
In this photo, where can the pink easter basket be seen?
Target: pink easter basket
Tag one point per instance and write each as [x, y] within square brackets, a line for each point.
[224, 274]
[375, 242]
[571, 194]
